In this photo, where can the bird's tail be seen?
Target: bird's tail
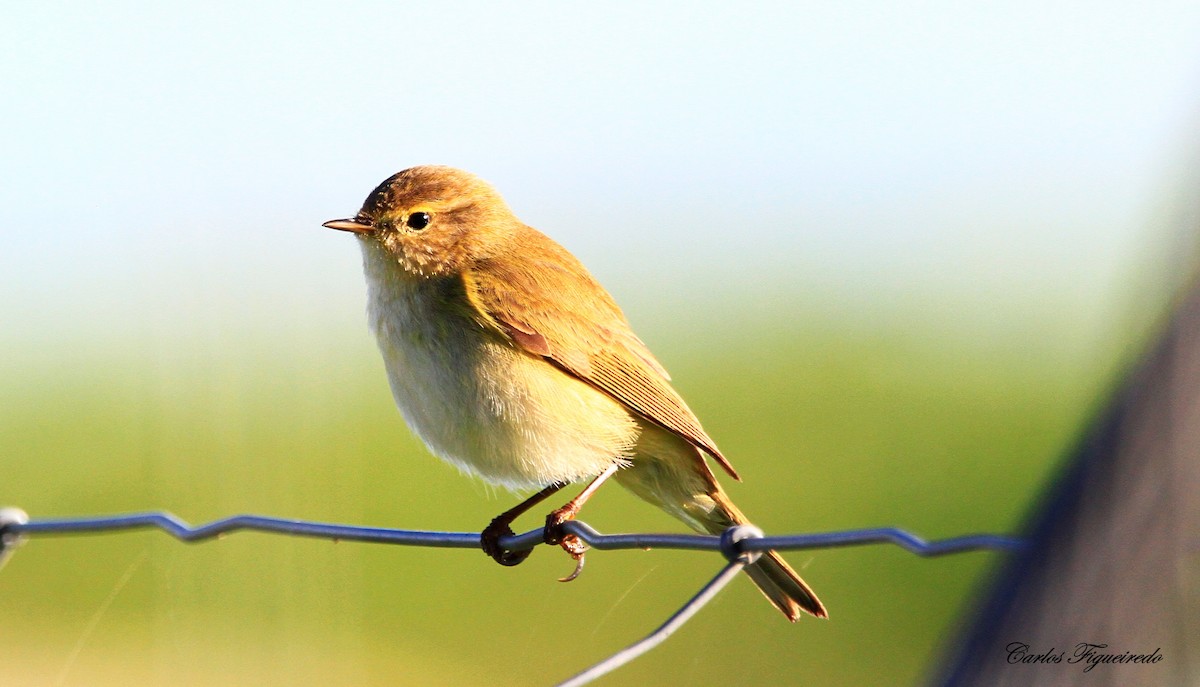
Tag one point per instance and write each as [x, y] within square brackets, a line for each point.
[671, 474]
[774, 577]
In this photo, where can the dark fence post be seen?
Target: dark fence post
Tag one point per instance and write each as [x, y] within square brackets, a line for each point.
[1113, 552]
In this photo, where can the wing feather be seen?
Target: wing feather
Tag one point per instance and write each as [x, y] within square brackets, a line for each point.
[564, 316]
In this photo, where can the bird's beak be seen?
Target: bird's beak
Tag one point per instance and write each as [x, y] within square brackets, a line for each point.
[354, 224]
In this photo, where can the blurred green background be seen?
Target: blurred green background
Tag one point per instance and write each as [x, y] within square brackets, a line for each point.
[833, 427]
[892, 258]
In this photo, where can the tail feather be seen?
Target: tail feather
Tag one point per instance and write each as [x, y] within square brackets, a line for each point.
[773, 576]
[671, 474]
[784, 588]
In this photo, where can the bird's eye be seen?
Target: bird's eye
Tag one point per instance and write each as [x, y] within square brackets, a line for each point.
[418, 220]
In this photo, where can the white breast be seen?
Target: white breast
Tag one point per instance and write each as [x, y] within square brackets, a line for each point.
[477, 402]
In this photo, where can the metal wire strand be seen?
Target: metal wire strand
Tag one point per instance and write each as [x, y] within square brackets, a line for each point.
[684, 614]
[733, 546]
[741, 545]
[18, 525]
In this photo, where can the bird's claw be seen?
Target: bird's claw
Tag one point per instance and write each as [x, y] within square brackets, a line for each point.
[489, 541]
[573, 545]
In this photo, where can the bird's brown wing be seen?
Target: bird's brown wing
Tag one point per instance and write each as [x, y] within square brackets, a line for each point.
[547, 304]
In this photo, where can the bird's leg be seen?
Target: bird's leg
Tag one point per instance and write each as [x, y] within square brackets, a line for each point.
[500, 526]
[570, 543]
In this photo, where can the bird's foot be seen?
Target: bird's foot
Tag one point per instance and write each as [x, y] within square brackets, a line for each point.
[573, 545]
[489, 540]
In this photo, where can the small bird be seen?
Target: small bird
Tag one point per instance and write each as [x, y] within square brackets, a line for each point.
[511, 362]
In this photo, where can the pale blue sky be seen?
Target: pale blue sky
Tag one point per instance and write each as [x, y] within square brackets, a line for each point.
[172, 163]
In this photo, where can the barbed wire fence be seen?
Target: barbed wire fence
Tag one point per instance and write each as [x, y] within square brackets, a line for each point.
[740, 546]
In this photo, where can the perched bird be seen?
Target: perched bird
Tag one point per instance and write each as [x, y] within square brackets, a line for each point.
[510, 361]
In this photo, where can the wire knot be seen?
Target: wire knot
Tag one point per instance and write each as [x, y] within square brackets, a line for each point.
[9, 541]
[731, 543]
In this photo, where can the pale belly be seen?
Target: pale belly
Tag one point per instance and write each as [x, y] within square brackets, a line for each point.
[479, 403]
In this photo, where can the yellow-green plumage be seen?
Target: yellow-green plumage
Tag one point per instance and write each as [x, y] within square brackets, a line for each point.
[509, 360]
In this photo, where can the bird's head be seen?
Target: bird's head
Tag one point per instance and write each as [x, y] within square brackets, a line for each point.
[435, 220]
